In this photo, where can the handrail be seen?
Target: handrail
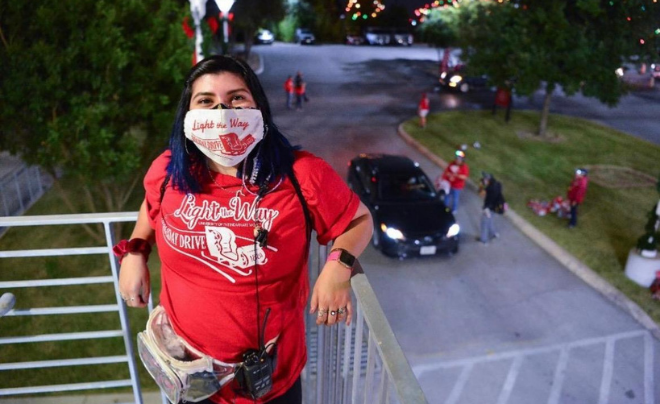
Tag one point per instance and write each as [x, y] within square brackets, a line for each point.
[362, 363]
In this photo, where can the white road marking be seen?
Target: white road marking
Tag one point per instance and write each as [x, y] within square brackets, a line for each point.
[460, 384]
[649, 388]
[558, 379]
[511, 377]
[608, 371]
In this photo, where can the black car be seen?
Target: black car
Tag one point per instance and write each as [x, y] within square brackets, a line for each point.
[458, 80]
[410, 218]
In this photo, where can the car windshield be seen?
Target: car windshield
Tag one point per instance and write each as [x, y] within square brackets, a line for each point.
[405, 187]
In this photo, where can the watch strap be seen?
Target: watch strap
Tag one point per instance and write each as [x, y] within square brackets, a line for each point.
[343, 257]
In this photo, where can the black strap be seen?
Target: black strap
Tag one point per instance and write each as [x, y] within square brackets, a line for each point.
[308, 217]
[163, 186]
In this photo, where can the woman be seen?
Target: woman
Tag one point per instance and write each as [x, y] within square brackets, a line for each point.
[423, 110]
[222, 205]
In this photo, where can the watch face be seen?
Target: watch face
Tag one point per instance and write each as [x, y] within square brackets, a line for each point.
[347, 258]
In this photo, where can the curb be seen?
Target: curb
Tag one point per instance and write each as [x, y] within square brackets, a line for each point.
[568, 260]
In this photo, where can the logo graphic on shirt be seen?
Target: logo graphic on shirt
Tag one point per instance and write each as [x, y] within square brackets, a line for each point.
[220, 236]
[222, 246]
[229, 144]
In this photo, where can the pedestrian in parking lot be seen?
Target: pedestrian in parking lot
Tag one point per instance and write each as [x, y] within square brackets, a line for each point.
[423, 110]
[300, 88]
[231, 205]
[576, 192]
[456, 173]
[491, 190]
[288, 89]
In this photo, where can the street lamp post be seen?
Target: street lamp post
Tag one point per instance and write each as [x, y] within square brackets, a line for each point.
[225, 6]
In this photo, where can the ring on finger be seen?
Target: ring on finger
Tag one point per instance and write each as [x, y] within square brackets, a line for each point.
[321, 313]
[333, 313]
[341, 310]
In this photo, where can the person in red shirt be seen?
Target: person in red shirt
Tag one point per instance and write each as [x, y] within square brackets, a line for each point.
[231, 205]
[423, 110]
[288, 89]
[456, 173]
[576, 192]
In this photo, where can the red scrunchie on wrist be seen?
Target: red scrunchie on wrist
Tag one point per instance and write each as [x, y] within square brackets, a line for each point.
[138, 245]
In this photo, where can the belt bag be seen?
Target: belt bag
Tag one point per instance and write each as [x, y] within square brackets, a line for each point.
[181, 371]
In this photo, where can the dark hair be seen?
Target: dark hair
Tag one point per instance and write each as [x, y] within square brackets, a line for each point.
[273, 155]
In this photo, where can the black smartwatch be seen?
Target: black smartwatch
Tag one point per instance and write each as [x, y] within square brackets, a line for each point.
[343, 257]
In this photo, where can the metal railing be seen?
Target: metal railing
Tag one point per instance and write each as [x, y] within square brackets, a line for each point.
[20, 188]
[361, 363]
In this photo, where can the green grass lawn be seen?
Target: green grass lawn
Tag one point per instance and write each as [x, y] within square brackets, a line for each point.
[611, 218]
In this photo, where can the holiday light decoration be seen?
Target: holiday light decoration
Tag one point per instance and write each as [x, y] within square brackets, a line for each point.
[358, 9]
[421, 13]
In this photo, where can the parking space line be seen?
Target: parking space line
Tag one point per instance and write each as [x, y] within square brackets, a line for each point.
[429, 367]
[558, 379]
[649, 384]
[460, 384]
[511, 377]
[608, 371]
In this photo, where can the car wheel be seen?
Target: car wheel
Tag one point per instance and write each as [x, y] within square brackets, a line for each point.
[465, 87]
[455, 249]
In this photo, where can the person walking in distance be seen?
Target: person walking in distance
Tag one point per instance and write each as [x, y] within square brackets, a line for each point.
[423, 110]
[456, 173]
[491, 190]
[300, 88]
[288, 89]
[576, 192]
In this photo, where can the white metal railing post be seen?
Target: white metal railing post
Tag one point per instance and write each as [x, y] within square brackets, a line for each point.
[123, 315]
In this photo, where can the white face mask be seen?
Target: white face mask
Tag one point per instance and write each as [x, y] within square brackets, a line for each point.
[226, 136]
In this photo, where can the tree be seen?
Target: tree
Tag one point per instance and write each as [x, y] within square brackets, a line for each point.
[89, 91]
[573, 44]
[322, 17]
[250, 15]
[441, 27]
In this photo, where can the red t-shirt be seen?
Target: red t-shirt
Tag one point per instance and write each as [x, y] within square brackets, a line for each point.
[207, 251]
[578, 189]
[424, 104]
[456, 169]
[288, 85]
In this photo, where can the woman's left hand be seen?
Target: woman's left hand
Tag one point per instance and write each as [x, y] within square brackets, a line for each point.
[331, 297]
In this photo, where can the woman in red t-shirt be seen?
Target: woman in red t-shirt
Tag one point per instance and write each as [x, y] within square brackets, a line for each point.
[228, 205]
[423, 110]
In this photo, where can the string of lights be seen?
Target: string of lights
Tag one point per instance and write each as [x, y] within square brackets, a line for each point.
[359, 10]
[422, 12]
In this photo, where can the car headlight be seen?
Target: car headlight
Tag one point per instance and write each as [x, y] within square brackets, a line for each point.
[453, 230]
[456, 79]
[391, 232]
[443, 75]
[619, 72]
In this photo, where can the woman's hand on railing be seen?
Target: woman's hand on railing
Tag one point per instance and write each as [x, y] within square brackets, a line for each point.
[134, 280]
[331, 297]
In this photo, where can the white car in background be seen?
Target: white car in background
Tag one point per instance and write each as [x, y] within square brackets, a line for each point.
[304, 36]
